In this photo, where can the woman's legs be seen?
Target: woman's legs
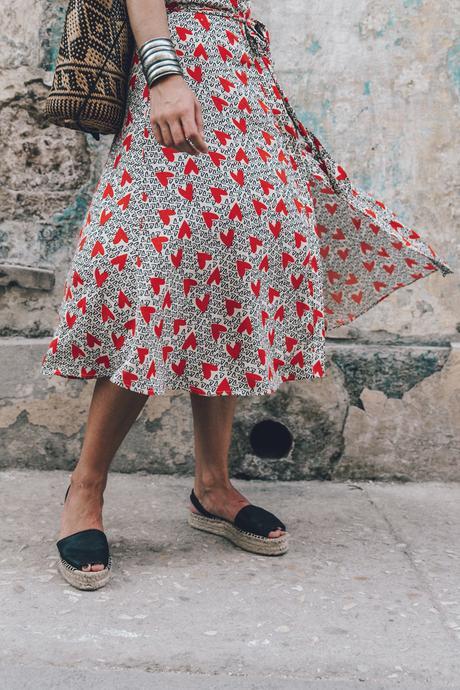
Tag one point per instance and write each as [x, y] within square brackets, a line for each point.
[112, 411]
[213, 421]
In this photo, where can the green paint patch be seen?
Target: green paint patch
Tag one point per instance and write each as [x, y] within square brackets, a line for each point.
[313, 123]
[51, 32]
[63, 225]
[367, 88]
[409, 4]
[314, 47]
[453, 65]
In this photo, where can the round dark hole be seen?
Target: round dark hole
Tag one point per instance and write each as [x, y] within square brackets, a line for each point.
[270, 439]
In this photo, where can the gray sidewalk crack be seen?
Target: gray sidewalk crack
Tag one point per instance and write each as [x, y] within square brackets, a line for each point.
[424, 581]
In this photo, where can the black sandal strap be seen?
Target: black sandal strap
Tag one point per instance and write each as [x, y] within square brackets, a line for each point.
[250, 518]
[85, 547]
[201, 508]
[257, 520]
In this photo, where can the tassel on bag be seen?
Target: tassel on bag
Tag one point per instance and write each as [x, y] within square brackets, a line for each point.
[89, 86]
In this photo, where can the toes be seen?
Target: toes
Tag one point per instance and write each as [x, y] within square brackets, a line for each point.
[276, 533]
[93, 567]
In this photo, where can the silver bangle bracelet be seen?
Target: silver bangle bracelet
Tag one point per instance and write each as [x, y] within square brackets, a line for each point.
[154, 48]
[152, 73]
[160, 41]
[158, 57]
[152, 77]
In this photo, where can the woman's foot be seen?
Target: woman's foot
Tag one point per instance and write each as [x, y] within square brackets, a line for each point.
[83, 510]
[224, 501]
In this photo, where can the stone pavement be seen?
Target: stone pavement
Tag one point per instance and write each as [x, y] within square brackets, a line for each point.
[368, 595]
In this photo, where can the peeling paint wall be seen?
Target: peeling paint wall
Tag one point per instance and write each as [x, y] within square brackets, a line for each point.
[379, 83]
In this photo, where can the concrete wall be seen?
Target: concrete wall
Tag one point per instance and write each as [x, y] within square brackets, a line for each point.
[378, 82]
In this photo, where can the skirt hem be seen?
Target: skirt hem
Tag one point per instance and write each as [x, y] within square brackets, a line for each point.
[182, 386]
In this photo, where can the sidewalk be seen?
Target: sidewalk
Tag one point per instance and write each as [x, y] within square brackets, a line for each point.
[368, 595]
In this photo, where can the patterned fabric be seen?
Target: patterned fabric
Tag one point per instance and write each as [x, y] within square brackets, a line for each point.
[222, 273]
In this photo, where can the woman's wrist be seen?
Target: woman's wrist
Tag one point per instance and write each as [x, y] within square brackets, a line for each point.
[167, 79]
[158, 59]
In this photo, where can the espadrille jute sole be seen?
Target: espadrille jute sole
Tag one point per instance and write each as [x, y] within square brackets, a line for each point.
[265, 546]
[94, 579]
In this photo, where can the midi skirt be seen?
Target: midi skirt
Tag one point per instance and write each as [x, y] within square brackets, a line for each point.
[222, 273]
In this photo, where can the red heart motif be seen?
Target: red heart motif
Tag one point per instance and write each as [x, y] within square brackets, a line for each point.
[146, 312]
[91, 340]
[124, 201]
[186, 192]
[200, 51]
[190, 341]
[176, 259]
[224, 388]
[179, 367]
[104, 217]
[98, 248]
[255, 287]
[232, 305]
[159, 241]
[120, 236]
[217, 157]
[77, 351]
[233, 351]
[203, 258]
[108, 191]
[209, 218]
[128, 378]
[191, 167]
[242, 266]
[218, 194]
[217, 329]
[118, 340]
[245, 325]
[166, 214]
[203, 302]
[183, 33]
[188, 283]
[208, 369]
[227, 237]
[178, 324]
[164, 176]
[252, 378]
[123, 300]
[70, 319]
[235, 212]
[119, 261]
[100, 277]
[214, 277]
[142, 353]
[157, 284]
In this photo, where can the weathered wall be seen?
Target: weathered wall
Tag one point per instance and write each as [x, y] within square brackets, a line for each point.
[378, 82]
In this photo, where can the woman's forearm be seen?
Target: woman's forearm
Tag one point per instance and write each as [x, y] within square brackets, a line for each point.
[148, 19]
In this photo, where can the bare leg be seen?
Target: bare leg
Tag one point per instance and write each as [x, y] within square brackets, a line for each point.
[112, 411]
[213, 421]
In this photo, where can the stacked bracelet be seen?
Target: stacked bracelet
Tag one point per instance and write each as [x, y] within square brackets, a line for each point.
[158, 58]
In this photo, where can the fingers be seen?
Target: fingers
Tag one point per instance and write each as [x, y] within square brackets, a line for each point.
[179, 138]
[174, 132]
[193, 129]
[161, 132]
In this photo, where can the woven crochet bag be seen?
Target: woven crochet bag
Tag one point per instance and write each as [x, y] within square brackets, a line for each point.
[92, 68]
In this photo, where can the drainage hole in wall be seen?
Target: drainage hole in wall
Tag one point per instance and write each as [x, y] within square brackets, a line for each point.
[270, 439]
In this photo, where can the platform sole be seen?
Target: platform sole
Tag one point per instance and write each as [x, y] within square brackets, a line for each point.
[265, 546]
[85, 580]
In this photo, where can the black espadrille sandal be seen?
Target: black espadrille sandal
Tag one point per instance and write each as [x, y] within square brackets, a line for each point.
[83, 548]
[249, 530]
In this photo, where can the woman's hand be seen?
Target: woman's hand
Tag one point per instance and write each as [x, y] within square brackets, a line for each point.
[175, 115]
